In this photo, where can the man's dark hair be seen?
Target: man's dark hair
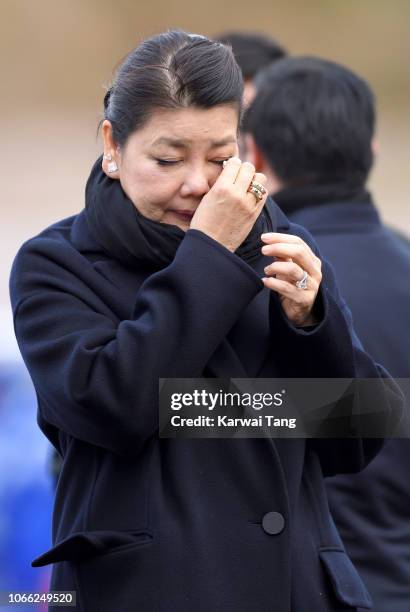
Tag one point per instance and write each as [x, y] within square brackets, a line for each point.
[252, 51]
[313, 121]
[171, 70]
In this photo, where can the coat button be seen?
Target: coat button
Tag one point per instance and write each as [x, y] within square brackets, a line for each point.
[273, 523]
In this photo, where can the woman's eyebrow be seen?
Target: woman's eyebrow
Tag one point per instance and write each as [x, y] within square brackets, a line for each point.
[224, 141]
[180, 144]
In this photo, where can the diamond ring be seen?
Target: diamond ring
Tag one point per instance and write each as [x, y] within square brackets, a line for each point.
[303, 282]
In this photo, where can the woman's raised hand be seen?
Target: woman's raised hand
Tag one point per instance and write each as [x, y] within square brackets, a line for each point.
[228, 211]
[294, 262]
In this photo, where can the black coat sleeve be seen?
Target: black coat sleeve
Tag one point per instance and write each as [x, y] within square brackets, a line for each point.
[331, 349]
[96, 378]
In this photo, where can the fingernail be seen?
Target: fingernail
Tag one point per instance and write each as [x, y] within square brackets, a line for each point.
[265, 249]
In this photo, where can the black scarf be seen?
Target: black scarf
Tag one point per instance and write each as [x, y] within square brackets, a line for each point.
[291, 199]
[127, 235]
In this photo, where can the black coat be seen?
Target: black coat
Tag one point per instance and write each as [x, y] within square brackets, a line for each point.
[142, 523]
[372, 509]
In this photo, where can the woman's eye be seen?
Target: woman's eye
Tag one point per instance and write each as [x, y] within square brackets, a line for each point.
[167, 162]
[171, 162]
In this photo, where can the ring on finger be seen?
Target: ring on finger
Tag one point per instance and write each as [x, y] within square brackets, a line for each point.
[258, 186]
[302, 283]
[257, 189]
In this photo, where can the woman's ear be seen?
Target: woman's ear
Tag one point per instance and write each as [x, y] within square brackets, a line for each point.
[111, 158]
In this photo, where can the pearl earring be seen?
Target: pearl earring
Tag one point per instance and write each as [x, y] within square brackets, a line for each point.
[112, 166]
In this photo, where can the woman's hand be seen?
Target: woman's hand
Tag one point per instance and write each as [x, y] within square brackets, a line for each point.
[228, 211]
[293, 257]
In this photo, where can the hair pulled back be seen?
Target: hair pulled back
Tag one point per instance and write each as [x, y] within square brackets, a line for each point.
[171, 70]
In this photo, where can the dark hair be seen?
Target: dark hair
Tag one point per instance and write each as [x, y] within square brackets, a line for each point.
[313, 121]
[252, 50]
[171, 70]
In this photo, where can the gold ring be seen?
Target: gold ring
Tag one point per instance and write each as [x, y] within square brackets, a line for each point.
[258, 186]
[257, 189]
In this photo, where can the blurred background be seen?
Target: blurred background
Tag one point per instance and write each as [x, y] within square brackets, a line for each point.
[57, 58]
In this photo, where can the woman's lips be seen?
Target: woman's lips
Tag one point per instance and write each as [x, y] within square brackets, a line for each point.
[185, 214]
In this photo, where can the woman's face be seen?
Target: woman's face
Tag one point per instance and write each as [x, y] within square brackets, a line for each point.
[167, 166]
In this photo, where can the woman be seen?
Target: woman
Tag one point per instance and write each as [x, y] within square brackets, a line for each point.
[164, 274]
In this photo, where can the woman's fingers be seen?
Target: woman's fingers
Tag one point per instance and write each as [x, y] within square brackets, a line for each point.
[277, 237]
[259, 178]
[298, 254]
[284, 270]
[296, 250]
[227, 212]
[240, 174]
[289, 290]
[293, 257]
[245, 176]
[230, 171]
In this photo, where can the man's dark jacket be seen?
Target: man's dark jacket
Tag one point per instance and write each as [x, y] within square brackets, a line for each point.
[150, 524]
[372, 265]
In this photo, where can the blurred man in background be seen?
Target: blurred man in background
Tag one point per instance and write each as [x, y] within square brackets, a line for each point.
[311, 131]
[253, 51]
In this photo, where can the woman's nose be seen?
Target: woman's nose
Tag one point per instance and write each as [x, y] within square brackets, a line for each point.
[196, 183]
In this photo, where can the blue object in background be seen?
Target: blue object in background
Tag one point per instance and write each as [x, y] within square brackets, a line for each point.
[26, 487]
